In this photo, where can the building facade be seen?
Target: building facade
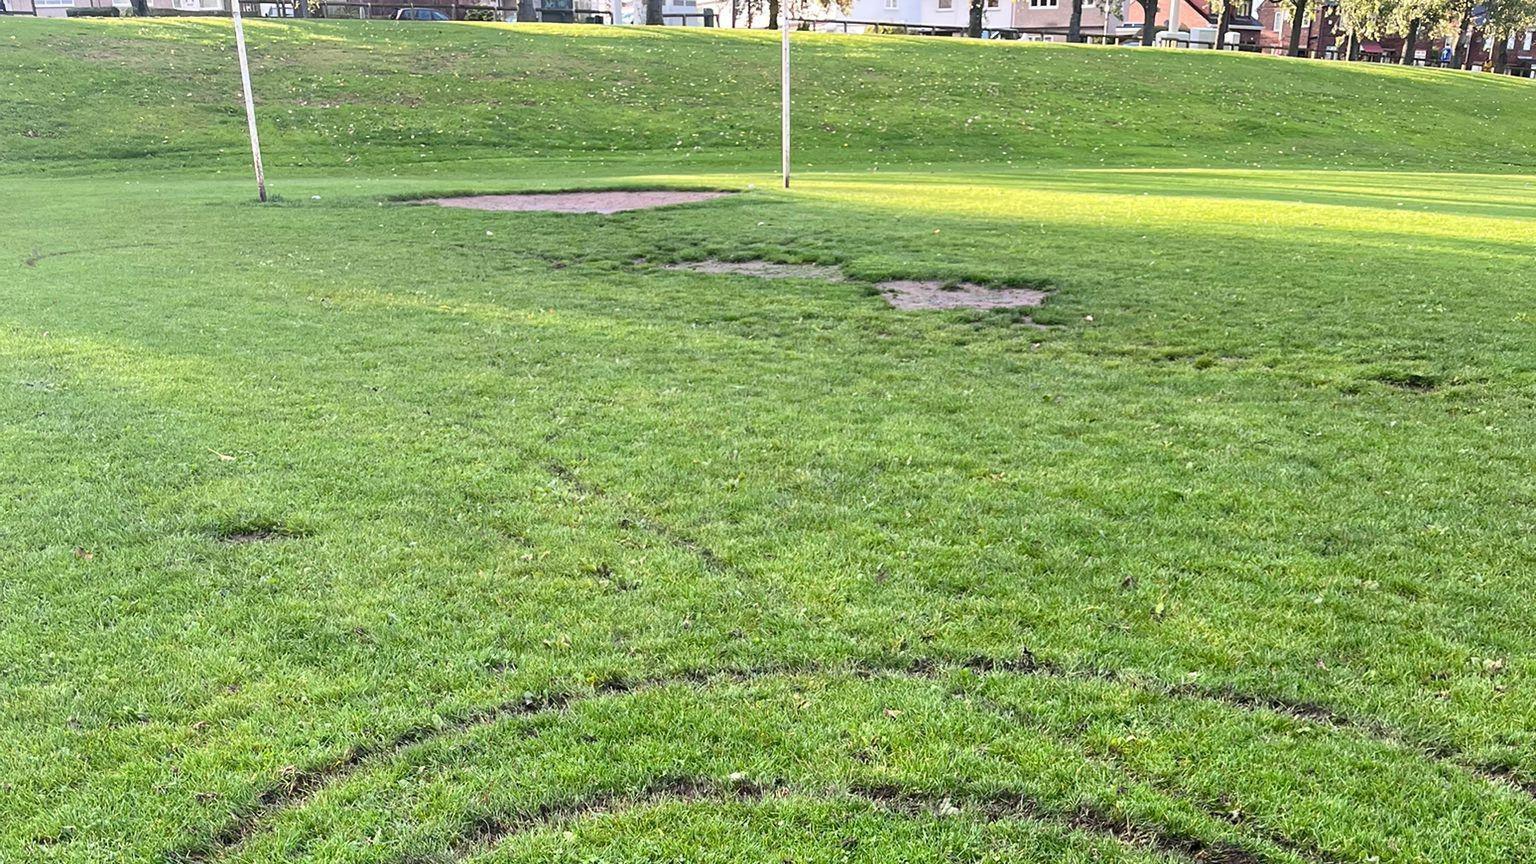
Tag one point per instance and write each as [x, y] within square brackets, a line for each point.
[60, 8]
[1053, 18]
[943, 15]
[1192, 22]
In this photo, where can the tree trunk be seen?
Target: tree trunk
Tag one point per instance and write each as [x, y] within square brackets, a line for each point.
[1075, 23]
[1463, 35]
[1299, 9]
[1352, 46]
[1466, 58]
[978, 10]
[1223, 25]
[773, 14]
[1410, 42]
[140, 7]
[1501, 56]
[1149, 20]
[653, 13]
[526, 11]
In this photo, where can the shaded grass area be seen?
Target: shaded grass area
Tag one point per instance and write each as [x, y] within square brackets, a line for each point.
[346, 530]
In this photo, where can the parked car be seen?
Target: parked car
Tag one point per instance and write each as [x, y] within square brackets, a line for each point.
[419, 15]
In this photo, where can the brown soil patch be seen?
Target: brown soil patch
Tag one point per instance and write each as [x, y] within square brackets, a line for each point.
[933, 294]
[763, 269]
[577, 202]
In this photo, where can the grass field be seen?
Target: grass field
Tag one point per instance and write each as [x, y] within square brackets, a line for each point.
[348, 531]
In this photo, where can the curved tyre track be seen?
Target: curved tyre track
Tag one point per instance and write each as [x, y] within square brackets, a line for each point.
[296, 790]
[990, 806]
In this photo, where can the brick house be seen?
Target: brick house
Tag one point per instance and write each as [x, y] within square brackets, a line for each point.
[1189, 16]
[1052, 17]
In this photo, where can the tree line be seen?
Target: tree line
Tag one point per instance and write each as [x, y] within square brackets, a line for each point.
[1462, 22]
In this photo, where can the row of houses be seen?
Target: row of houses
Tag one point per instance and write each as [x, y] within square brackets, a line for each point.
[678, 12]
[61, 8]
[1255, 25]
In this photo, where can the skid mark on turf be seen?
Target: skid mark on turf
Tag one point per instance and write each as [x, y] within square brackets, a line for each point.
[1505, 774]
[36, 256]
[984, 805]
[1321, 715]
[298, 789]
[710, 559]
[1002, 806]
[1308, 712]
[1224, 811]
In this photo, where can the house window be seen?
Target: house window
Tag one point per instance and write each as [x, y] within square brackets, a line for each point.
[946, 4]
[890, 4]
[1044, 4]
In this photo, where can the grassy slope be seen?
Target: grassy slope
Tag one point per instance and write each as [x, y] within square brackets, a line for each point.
[1274, 597]
[161, 91]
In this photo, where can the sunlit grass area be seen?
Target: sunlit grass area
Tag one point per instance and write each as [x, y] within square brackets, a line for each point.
[344, 529]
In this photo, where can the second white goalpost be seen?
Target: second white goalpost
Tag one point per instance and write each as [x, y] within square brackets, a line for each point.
[784, 27]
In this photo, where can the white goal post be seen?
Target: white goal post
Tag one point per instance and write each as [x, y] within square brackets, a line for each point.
[784, 28]
[250, 104]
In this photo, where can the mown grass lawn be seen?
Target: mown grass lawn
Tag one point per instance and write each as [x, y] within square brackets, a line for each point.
[346, 530]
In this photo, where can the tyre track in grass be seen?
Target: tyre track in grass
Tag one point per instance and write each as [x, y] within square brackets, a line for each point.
[298, 789]
[990, 806]
[711, 559]
[1311, 712]
[38, 256]
[1226, 812]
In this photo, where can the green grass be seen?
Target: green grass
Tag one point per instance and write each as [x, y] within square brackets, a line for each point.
[558, 555]
[405, 95]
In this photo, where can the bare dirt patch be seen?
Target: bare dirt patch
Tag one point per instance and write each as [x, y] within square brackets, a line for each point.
[577, 202]
[762, 269]
[913, 294]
